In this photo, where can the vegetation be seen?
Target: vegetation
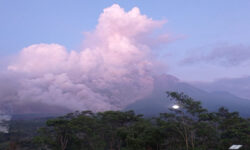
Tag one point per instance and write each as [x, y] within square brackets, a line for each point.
[191, 127]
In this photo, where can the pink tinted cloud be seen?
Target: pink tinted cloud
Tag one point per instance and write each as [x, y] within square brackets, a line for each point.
[222, 54]
[114, 69]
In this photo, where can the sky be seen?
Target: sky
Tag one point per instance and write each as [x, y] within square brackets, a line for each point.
[102, 55]
[195, 28]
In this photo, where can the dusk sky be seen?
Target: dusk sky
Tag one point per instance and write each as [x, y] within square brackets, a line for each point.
[197, 30]
[91, 54]
[129, 74]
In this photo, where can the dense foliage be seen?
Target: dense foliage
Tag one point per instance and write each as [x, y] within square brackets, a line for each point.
[189, 128]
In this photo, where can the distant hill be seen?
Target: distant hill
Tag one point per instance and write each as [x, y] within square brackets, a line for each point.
[157, 102]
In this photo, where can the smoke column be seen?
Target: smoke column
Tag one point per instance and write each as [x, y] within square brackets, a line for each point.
[115, 68]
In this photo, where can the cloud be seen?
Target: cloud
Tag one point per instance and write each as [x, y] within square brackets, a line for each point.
[225, 55]
[4, 123]
[237, 86]
[114, 69]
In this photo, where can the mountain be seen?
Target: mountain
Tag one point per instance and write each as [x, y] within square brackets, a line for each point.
[157, 102]
[237, 86]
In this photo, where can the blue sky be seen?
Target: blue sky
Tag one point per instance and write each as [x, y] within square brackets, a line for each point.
[202, 26]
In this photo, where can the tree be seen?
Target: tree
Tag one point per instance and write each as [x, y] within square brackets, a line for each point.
[57, 135]
[191, 127]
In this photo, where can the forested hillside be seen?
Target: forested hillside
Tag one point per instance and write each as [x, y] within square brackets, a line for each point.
[190, 127]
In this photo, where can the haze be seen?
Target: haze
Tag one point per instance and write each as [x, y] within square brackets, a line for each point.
[103, 55]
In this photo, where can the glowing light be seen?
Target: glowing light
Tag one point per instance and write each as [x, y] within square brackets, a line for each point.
[235, 147]
[175, 106]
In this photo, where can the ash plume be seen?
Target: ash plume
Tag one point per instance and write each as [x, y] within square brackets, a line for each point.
[115, 68]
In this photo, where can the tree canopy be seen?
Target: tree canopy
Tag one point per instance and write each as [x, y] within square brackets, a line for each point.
[190, 127]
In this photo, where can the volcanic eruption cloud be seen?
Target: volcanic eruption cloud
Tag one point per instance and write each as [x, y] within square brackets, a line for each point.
[115, 68]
